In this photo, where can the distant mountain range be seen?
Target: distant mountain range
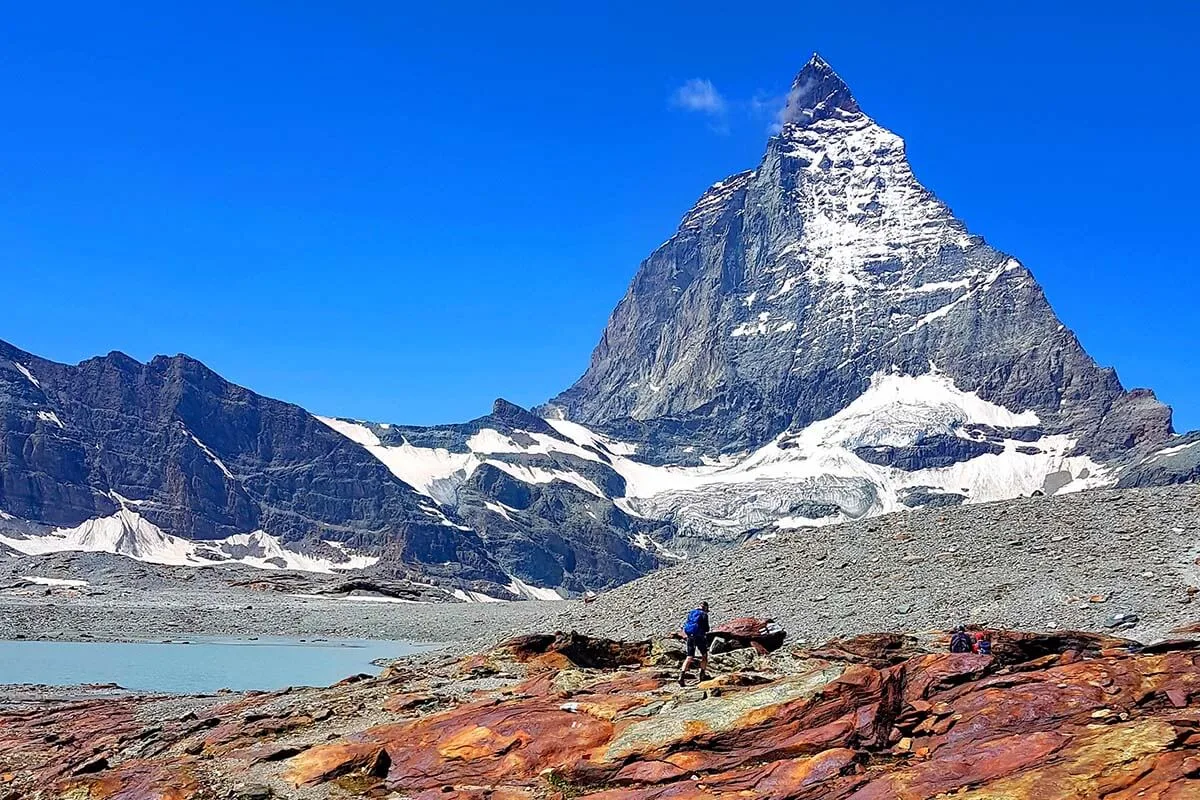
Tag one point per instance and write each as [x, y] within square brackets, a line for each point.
[820, 340]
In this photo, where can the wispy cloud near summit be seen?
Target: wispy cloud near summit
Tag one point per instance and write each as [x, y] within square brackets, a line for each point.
[699, 95]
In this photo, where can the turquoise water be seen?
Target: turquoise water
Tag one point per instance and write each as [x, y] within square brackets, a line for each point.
[199, 666]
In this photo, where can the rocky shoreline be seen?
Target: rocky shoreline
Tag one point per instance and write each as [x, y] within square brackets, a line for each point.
[552, 717]
[596, 713]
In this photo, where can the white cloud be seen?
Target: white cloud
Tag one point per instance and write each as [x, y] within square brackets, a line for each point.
[699, 95]
[771, 107]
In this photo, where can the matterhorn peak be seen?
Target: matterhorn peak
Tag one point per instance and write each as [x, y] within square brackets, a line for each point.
[818, 93]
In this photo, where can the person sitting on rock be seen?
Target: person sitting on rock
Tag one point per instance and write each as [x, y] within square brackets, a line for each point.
[961, 641]
[982, 644]
[695, 628]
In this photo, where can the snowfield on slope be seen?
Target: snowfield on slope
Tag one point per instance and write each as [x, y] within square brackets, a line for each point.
[438, 472]
[128, 533]
[814, 470]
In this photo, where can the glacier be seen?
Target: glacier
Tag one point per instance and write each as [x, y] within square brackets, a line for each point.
[814, 476]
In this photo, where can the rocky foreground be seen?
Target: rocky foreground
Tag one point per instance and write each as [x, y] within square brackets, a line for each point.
[1063, 715]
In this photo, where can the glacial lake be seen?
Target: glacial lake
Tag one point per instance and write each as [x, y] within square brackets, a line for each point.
[197, 666]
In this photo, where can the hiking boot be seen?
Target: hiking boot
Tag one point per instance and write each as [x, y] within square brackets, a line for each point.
[703, 676]
[681, 680]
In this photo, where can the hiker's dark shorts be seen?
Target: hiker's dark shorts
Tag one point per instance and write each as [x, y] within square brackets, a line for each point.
[697, 644]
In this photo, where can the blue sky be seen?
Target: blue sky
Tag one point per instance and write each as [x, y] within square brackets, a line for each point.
[401, 213]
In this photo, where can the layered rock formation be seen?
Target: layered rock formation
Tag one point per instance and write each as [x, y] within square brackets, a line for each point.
[138, 456]
[879, 716]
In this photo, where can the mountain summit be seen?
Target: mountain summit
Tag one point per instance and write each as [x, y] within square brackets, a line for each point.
[817, 93]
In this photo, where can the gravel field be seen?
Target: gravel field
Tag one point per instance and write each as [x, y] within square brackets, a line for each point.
[1076, 561]
[179, 613]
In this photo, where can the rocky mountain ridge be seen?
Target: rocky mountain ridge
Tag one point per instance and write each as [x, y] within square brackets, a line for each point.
[820, 341]
[149, 458]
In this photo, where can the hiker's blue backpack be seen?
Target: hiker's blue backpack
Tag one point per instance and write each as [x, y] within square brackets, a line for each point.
[692, 626]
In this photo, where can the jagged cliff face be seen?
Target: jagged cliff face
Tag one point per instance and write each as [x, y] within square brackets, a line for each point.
[786, 288]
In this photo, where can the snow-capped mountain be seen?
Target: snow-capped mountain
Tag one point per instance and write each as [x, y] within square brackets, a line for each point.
[788, 287]
[820, 340]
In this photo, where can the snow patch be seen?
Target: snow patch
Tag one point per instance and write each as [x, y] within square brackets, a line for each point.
[586, 437]
[128, 533]
[21, 368]
[938, 286]
[211, 455]
[476, 597]
[521, 589]
[500, 508]
[51, 417]
[753, 328]
[538, 475]
[789, 283]
[644, 542]
[792, 523]
[896, 408]
[1170, 451]
[436, 473]
[985, 284]
[267, 552]
[40, 581]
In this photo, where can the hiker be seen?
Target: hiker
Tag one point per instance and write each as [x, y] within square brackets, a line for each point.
[961, 641]
[982, 644]
[695, 628]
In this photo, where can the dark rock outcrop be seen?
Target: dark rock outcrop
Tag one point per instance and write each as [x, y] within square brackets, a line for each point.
[1177, 462]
